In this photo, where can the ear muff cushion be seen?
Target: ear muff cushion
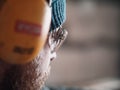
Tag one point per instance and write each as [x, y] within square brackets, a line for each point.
[24, 26]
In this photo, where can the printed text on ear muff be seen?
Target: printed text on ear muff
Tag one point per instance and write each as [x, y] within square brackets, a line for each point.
[2, 2]
[28, 28]
[21, 50]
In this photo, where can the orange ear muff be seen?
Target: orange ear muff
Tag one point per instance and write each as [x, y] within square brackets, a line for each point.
[24, 26]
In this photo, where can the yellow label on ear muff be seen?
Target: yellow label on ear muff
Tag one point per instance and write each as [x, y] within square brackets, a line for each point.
[24, 26]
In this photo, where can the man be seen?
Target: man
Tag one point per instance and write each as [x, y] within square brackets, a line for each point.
[32, 76]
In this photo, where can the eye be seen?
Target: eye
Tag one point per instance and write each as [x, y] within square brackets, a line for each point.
[49, 2]
[58, 36]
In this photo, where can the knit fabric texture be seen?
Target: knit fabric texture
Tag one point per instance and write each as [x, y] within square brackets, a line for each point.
[58, 13]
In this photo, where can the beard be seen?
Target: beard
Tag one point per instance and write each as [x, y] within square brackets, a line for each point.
[25, 77]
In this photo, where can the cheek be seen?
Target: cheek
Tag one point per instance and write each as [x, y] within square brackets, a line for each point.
[45, 60]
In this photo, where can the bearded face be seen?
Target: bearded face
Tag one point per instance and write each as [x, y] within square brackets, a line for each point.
[30, 76]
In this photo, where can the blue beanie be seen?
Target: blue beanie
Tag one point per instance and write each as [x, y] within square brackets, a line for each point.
[58, 13]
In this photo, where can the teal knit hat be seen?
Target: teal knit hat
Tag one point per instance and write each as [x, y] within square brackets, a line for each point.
[58, 13]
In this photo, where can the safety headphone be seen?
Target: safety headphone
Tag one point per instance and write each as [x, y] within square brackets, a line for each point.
[24, 26]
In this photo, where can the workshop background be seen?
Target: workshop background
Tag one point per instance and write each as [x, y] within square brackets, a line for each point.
[90, 56]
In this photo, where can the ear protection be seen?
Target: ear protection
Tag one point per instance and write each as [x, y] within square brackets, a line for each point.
[24, 26]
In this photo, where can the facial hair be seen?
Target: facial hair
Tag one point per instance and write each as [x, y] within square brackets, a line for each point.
[25, 77]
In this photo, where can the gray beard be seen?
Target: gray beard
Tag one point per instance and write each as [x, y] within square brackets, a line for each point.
[24, 77]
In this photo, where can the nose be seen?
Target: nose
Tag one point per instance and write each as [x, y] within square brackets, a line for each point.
[53, 56]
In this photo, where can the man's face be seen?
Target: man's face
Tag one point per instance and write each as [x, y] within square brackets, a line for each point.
[31, 76]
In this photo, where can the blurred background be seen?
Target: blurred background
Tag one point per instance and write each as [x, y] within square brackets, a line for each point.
[90, 56]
